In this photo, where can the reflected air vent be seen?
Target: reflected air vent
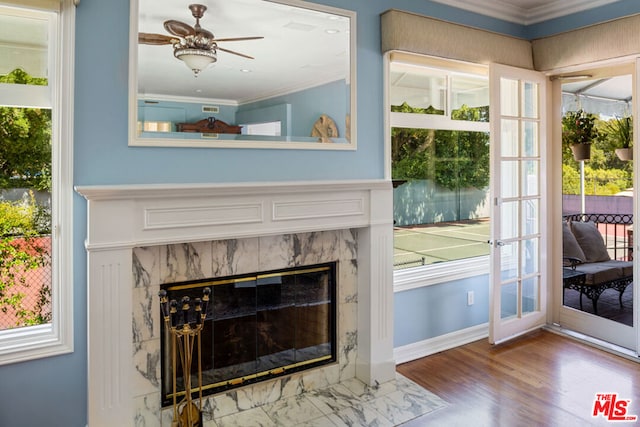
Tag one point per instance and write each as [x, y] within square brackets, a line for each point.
[210, 109]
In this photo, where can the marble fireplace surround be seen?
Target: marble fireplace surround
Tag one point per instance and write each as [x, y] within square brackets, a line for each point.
[124, 219]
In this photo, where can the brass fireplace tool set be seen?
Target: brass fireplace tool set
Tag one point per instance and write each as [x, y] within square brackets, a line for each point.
[185, 332]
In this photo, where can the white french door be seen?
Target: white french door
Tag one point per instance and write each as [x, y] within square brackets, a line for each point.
[518, 300]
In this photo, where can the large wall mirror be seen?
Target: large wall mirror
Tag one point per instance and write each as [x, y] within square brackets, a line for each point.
[242, 73]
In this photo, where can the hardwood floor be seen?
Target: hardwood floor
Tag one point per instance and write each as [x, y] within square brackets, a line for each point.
[542, 379]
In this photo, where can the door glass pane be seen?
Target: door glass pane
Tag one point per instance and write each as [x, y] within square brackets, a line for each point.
[530, 292]
[530, 177]
[530, 139]
[509, 179]
[605, 195]
[509, 97]
[509, 138]
[509, 214]
[509, 261]
[509, 300]
[530, 258]
[530, 100]
[530, 217]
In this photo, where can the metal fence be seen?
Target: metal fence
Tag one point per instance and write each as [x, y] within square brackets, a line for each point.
[616, 230]
[25, 281]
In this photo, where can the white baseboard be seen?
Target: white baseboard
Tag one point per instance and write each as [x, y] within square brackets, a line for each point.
[414, 351]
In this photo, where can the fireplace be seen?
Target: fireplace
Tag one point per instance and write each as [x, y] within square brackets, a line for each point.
[168, 233]
[257, 327]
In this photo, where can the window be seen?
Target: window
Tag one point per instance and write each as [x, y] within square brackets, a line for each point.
[36, 180]
[267, 128]
[439, 115]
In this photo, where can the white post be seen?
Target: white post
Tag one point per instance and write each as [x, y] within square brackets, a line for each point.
[582, 198]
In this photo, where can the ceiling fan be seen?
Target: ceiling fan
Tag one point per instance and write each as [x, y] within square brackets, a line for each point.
[195, 46]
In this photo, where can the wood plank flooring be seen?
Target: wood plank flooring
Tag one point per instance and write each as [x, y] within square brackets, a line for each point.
[542, 379]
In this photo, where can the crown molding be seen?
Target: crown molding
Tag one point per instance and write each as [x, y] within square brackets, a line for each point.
[500, 9]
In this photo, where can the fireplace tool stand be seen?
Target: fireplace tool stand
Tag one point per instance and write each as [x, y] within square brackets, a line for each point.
[185, 335]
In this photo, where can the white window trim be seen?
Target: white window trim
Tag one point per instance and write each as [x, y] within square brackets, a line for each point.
[55, 338]
[443, 272]
[433, 121]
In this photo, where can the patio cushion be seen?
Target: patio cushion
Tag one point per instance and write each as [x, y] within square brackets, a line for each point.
[627, 268]
[598, 273]
[590, 240]
[570, 246]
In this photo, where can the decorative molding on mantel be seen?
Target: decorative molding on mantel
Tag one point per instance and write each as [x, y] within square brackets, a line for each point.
[121, 217]
[166, 213]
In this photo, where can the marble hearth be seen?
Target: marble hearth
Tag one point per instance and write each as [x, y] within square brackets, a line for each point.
[139, 236]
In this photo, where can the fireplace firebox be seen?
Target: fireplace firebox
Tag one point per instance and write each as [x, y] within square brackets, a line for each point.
[258, 326]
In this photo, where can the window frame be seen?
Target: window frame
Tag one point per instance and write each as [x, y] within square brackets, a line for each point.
[455, 270]
[55, 338]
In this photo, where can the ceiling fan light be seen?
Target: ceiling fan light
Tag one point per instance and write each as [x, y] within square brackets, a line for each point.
[196, 59]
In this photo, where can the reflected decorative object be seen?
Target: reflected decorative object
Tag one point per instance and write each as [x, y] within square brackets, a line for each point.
[325, 129]
[195, 46]
[209, 125]
[196, 59]
[185, 337]
[347, 124]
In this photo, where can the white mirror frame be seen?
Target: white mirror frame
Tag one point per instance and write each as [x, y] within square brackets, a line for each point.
[136, 141]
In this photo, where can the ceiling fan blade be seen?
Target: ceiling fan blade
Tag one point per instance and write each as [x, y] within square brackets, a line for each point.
[233, 39]
[154, 39]
[178, 28]
[235, 53]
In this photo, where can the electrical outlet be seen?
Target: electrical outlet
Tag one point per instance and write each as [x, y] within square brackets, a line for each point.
[470, 298]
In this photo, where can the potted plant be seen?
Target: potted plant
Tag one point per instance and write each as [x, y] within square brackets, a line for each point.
[578, 131]
[621, 130]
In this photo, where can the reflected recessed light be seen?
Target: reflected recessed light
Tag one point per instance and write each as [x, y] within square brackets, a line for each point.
[244, 70]
[198, 90]
[331, 31]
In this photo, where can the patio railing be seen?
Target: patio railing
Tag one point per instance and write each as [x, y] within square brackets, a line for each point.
[616, 229]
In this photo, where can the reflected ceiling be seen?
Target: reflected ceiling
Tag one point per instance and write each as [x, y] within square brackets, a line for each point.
[300, 49]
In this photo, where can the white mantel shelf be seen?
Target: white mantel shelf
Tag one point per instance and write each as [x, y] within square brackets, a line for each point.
[137, 191]
[122, 217]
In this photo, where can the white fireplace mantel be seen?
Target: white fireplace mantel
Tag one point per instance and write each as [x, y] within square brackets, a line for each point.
[122, 217]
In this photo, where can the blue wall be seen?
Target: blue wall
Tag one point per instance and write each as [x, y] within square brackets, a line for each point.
[306, 107]
[439, 309]
[52, 392]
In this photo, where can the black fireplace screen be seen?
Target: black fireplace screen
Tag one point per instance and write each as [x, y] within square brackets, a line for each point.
[258, 326]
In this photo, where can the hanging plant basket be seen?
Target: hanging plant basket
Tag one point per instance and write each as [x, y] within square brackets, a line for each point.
[581, 151]
[624, 154]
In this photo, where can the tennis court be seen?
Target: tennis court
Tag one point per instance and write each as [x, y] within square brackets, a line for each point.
[432, 243]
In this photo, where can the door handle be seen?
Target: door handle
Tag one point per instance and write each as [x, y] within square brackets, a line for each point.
[496, 243]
